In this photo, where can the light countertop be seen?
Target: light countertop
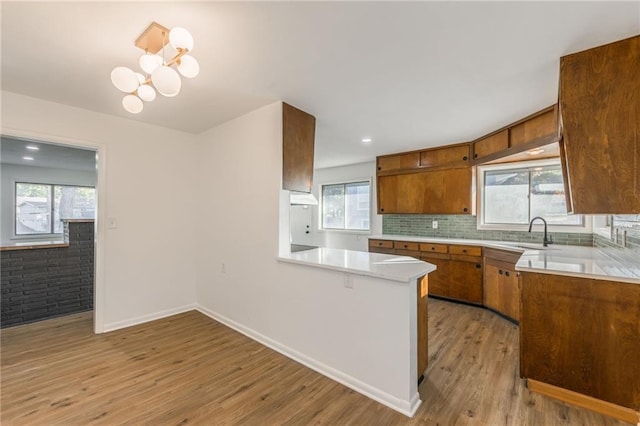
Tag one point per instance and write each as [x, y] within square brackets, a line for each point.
[30, 245]
[578, 261]
[390, 267]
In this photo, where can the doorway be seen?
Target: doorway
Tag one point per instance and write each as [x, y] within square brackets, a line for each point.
[49, 208]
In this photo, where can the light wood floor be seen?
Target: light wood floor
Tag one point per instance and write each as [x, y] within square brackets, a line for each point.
[189, 369]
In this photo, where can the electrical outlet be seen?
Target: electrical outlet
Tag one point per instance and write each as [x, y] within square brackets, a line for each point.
[348, 280]
[223, 268]
[434, 224]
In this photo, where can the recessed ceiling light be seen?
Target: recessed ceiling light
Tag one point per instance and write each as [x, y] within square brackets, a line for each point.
[535, 151]
[28, 158]
[367, 140]
[32, 148]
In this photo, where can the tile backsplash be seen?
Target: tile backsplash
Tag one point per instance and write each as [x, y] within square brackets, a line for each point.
[463, 226]
[624, 223]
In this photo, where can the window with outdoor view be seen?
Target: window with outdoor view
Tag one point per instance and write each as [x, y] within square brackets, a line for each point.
[514, 194]
[40, 207]
[346, 206]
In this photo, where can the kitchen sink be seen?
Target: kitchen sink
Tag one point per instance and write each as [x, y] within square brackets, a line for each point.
[528, 246]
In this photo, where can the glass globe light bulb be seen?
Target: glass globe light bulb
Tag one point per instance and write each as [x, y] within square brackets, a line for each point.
[132, 103]
[188, 66]
[146, 92]
[166, 81]
[149, 62]
[180, 39]
[141, 78]
[124, 79]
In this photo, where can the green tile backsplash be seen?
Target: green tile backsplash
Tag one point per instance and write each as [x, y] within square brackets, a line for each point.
[463, 226]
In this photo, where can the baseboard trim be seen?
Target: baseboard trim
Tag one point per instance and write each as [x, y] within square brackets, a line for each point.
[149, 317]
[584, 401]
[408, 408]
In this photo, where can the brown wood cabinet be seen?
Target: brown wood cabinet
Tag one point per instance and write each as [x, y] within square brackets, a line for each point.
[582, 335]
[395, 162]
[298, 134]
[501, 282]
[458, 273]
[423, 325]
[446, 155]
[442, 191]
[600, 112]
[535, 130]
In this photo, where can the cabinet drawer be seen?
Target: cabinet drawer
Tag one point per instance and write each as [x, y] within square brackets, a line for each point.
[466, 250]
[381, 243]
[406, 245]
[434, 248]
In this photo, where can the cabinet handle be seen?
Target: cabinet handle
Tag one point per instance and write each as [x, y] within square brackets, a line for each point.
[379, 244]
[506, 273]
[405, 246]
[381, 210]
[464, 250]
[475, 155]
[464, 158]
[433, 248]
[465, 209]
[478, 266]
[500, 271]
[379, 168]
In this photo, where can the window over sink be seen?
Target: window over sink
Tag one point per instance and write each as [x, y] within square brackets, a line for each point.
[346, 206]
[513, 194]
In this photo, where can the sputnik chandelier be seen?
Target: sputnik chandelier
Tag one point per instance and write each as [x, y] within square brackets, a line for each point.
[159, 75]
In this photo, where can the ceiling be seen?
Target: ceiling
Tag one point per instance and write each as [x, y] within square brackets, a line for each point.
[13, 151]
[409, 75]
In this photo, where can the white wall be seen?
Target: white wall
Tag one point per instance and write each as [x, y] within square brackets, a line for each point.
[345, 239]
[147, 266]
[12, 173]
[304, 312]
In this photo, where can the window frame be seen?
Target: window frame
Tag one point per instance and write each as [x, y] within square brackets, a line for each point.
[52, 193]
[321, 186]
[585, 227]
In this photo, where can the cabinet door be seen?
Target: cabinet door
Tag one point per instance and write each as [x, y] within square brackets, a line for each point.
[492, 281]
[387, 194]
[438, 279]
[456, 196]
[542, 128]
[409, 160]
[491, 144]
[600, 110]
[298, 135]
[445, 191]
[465, 281]
[445, 155]
[423, 325]
[501, 289]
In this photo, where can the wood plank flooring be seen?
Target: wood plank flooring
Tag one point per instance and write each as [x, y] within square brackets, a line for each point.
[189, 369]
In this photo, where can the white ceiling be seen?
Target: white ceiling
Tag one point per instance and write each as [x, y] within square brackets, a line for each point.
[408, 74]
[13, 151]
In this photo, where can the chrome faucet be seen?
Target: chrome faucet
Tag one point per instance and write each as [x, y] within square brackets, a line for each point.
[547, 238]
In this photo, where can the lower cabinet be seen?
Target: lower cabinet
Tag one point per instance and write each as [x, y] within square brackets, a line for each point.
[459, 271]
[501, 283]
[423, 325]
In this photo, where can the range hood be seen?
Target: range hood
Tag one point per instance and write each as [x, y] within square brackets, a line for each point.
[304, 198]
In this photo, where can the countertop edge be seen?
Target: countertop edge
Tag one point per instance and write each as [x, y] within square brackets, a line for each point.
[427, 268]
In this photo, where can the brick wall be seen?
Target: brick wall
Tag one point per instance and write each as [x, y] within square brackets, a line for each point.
[44, 283]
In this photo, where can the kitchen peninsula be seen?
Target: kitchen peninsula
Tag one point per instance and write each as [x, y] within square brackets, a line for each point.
[374, 307]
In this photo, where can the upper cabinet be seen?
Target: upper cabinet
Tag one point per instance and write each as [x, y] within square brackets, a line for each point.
[536, 130]
[600, 117]
[437, 180]
[298, 134]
